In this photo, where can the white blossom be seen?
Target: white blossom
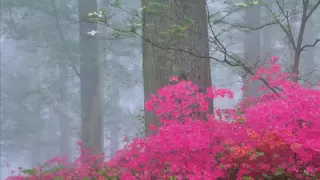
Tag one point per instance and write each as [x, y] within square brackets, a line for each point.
[99, 14]
[92, 33]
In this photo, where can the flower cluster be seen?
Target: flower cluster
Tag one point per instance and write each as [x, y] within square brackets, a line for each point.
[271, 137]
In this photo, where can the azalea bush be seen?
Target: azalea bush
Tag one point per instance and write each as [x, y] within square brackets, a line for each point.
[275, 136]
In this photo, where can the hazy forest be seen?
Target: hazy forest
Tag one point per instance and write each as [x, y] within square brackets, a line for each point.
[160, 89]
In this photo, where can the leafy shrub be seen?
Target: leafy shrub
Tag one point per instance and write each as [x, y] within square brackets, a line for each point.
[271, 137]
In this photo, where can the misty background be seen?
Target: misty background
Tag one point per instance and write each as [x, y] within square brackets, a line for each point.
[40, 69]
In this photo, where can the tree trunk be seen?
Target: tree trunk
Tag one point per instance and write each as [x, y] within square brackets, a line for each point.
[113, 119]
[267, 31]
[114, 139]
[35, 79]
[308, 64]
[64, 122]
[252, 50]
[160, 60]
[297, 49]
[91, 85]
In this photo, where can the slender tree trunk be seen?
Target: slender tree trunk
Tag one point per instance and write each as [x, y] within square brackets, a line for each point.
[308, 64]
[297, 49]
[114, 139]
[160, 61]
[267, 30]
[64, 122]
[252, 50]
[113, 119]
[35, 79]
[91, 84]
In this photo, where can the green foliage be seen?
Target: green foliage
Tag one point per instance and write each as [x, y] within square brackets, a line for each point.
[156, 7]
[116, 3]
[189, 21]
[249, 3]
[29, 171]
[141, 120]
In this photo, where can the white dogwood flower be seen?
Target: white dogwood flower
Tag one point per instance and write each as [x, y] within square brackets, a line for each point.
[92, 33]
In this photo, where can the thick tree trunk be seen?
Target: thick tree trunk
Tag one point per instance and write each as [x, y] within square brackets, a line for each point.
[160, 61]
[252, 50]
[91, 84]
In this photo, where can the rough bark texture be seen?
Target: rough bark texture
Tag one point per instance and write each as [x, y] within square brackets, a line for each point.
[159, 60]
[252, 49]
[91, 88]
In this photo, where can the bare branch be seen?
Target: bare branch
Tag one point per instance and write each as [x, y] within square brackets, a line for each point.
[313, 9]
[287, 30]
[310, 45]
[63, 39]
[252, 29]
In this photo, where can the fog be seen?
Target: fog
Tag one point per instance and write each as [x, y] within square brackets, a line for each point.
[40, 38]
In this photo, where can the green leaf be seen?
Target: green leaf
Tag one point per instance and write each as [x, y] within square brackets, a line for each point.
[87, 178]
[157, 4]
[102, 172]
[307, 173]
[279, 171]
[259, 153]
[189, 20]
[117, 3]
[172, 178]
[52, 170]
[247, 178]
[29, 171]
[58, 178]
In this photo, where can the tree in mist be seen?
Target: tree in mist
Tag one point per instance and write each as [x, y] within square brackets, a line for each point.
[91, 83]
[168, 25]
[252, 48]
[65, 135]
[56, 54]
[164, 39]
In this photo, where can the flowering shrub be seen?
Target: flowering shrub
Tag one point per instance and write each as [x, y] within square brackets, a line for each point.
[271, 137]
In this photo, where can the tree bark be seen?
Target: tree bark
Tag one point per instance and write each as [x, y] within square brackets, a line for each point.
[64, 122]
[308, 64]
[252, 49]
[91, 85]
[267, 30]
[160, 61]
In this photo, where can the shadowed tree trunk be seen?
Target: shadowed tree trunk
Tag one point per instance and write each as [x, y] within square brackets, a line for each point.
[114, 120]
[252, 49]
[308, 8]
[267, 31]
[91, 85]
[308, 66]
[35, 79]
[64, 122]
[168, 25]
